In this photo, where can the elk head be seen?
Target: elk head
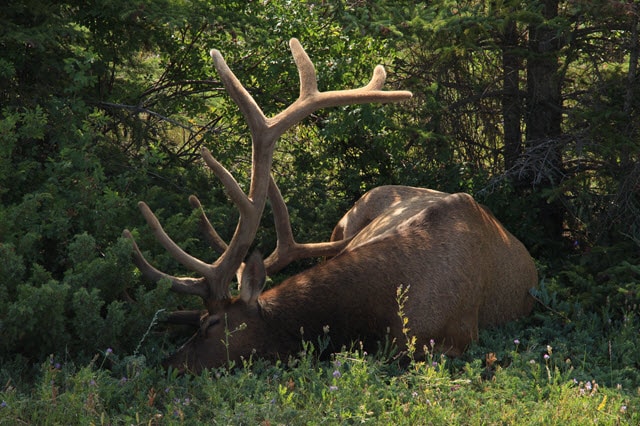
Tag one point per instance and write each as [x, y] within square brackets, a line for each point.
[222, 311]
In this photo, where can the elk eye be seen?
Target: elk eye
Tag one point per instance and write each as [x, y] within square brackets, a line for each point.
[208, 322]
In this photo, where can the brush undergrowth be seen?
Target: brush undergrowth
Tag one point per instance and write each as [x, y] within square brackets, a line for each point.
[561, 366]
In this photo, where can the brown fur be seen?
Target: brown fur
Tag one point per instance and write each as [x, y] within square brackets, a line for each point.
[462, 268]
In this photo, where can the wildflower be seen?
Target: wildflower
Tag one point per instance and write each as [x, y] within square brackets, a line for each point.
[108, 352]
[623, 409]
[432, 343]
[587, 386]
[337, 363]
[516, 342]
[337, 374]
[603, 404]
[414, 394]
[3, 404]
[546, 357]
[549, 349]
[123, 380]
[57, 366]
[434, 364]
[333, 388]
[92, 382]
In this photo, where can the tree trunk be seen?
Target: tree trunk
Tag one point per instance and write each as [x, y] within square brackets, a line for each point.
[543, 117]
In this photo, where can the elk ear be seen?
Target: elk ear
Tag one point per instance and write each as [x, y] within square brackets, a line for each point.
[253, 278]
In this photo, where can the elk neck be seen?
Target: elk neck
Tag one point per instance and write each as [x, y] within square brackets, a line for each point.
[330, 296]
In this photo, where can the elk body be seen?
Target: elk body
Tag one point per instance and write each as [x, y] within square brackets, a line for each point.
[460, 268]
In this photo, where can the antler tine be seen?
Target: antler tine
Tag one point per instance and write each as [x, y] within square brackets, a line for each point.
[190, 262]
[252, 113]
[232, 187]
[213, 238]
[311, 99]
[306, 70]
[287, 249]
[185, 285]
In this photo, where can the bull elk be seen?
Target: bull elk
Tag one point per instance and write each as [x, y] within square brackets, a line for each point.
[461, 269]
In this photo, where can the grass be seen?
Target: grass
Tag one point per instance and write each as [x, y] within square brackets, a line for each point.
[352, 388]
[560, 366]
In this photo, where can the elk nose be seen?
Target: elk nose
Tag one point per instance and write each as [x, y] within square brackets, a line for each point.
[168, 364]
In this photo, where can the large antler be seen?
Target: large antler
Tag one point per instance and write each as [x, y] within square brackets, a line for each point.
[215, 278]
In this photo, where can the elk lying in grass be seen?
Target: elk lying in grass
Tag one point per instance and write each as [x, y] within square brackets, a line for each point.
[460, 268]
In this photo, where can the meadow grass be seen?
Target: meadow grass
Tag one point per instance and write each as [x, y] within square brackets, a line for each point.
[351, 388]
